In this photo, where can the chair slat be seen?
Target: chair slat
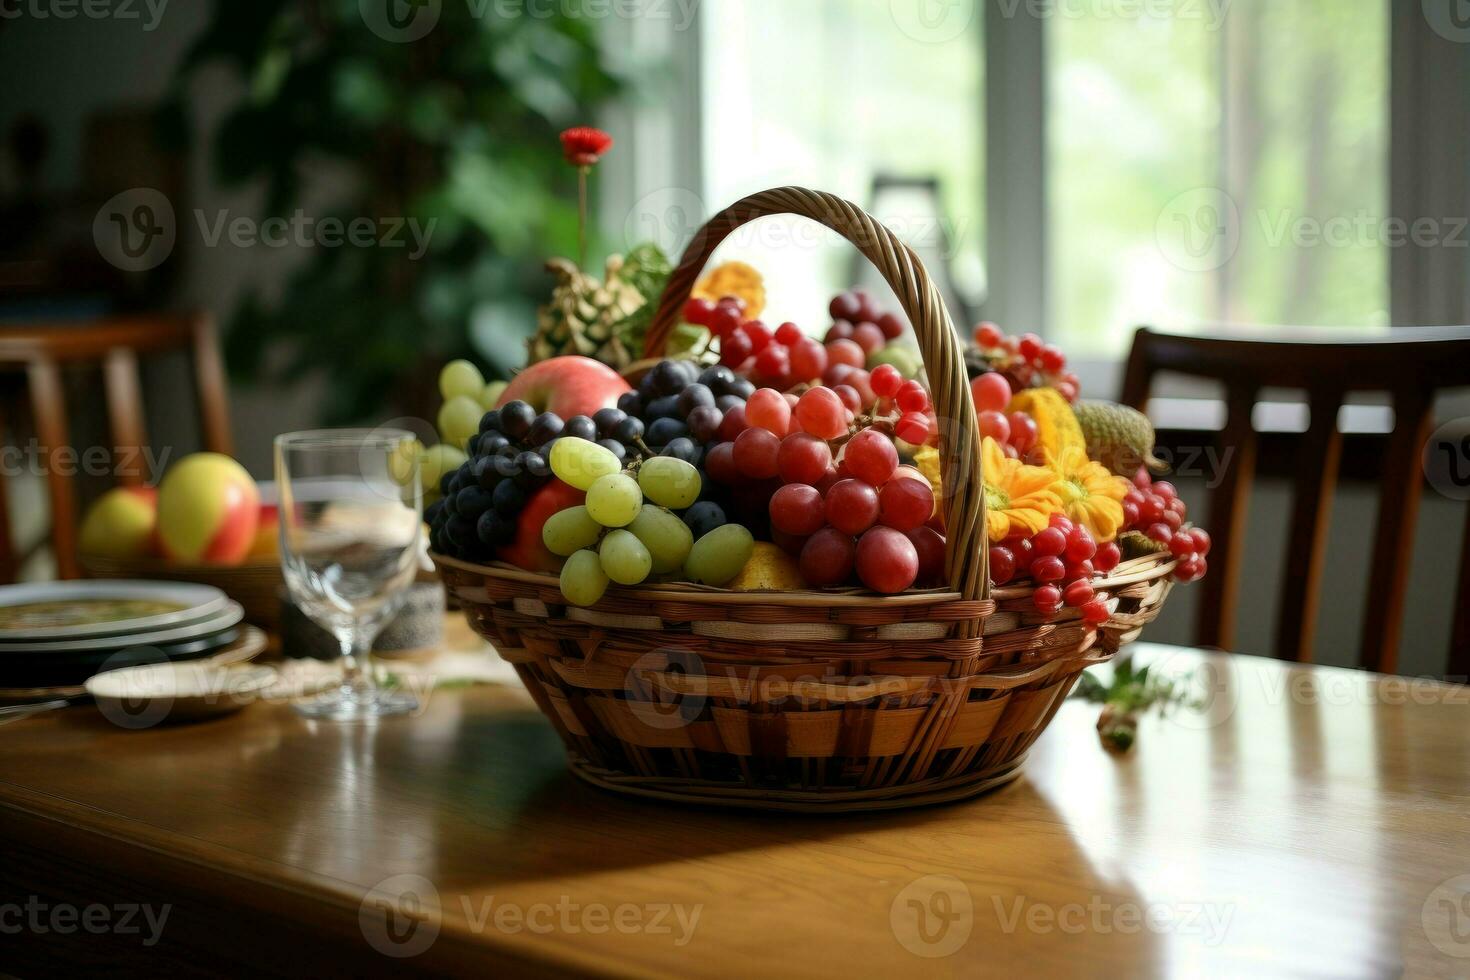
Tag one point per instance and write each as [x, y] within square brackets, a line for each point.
[9, 564]
[1312, 492]
[209, 375]
[1459, 662]
[125, 414]
[1229, 503]
[1393, 541]
[49, 407]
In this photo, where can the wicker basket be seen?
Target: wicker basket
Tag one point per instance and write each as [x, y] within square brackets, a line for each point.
[818, 701]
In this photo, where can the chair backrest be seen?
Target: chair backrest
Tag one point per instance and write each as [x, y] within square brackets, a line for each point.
[114, 345]
[1409, 366]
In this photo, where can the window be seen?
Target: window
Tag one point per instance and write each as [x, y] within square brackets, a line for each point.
[1206, 163]
[1218, 170]
[833, 94]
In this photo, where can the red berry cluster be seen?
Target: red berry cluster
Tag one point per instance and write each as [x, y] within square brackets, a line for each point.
[779, 358]
[1061, 558]
[1157, 510]
[1016, 432]
[836, 498]
[1027, 361]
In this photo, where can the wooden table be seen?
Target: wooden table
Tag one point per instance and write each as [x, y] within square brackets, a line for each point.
[1312, 822]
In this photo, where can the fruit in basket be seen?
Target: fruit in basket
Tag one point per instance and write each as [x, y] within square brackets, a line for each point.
[666, 536]
[583, 581]
[719, 556]
[459, 418]
[581, 462]
[1025, 361]
[1119, 437]
[769, 568]
[1057, 429]
[120, 524]
[604, 319]
[624, 558]
[207, 510]
[528, 548]
[566, 386]
[461, 378]
[733, 279]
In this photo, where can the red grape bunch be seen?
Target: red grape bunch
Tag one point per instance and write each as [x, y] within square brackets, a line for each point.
[1158, 512]
[1061, 559]
[1024, 362]
[835, 497]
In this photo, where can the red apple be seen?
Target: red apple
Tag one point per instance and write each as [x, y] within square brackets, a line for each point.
[208, 507]
[120, 524]
[527, 550]
[568, 386]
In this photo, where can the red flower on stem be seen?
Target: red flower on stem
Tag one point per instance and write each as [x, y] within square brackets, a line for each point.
[583, 145]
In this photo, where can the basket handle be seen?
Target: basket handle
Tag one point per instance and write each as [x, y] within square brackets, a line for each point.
[967, 549]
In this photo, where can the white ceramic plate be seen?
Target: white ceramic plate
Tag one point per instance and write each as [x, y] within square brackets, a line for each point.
[195, 602]
[231, 614]
[157, 693]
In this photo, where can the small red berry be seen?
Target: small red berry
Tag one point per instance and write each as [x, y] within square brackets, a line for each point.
[1077, 593]
[1107, 557]
[1048, 568]
[1095, 611]
[1049, 541]
[1047, 599]
[1201, 540]
[1002, 564]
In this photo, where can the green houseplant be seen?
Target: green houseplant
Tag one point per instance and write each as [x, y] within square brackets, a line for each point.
[453, 132]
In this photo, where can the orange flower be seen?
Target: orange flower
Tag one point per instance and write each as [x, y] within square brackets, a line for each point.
[1017, 497]
[1090, 494]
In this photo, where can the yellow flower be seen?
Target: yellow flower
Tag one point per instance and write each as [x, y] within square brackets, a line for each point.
[1017, 497]
[1090, 494]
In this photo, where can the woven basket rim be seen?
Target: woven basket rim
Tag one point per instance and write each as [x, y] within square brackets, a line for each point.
[1126, 573]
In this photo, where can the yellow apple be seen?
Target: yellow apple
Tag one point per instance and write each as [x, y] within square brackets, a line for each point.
[208, 507]
[120, 524]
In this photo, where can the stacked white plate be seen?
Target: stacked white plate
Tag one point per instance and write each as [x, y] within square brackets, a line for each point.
[61, 633]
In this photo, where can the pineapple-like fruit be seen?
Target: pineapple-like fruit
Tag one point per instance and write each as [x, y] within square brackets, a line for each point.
[602, 319]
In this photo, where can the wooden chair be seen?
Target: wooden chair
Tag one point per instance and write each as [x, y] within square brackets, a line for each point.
[113, 345]
[1409, 366]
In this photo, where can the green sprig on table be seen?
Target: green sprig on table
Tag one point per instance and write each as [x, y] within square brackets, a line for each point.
[1131, 693]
